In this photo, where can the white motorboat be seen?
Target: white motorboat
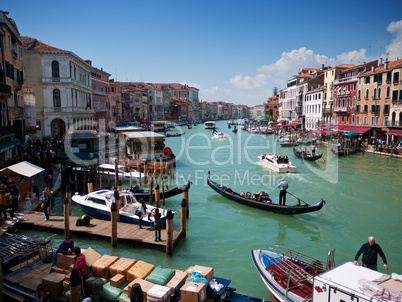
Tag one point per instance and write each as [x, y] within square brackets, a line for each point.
[278, 163]
[292, 276]
[210, 125]
[289, 274]
[218, 134]
[124, 173]
[98, 203]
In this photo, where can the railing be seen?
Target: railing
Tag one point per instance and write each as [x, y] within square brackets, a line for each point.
[328, 110]
[7, 130]
[342, 109]
[394, 123]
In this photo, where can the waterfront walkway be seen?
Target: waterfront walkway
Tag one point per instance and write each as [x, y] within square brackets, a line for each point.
[128, 233]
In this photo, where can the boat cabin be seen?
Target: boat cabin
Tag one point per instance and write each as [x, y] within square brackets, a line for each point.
[145, 145]
[210, 125]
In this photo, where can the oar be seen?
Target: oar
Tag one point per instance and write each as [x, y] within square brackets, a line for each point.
[297, 198]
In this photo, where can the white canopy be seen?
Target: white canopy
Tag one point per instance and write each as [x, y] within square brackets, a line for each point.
[25, 168]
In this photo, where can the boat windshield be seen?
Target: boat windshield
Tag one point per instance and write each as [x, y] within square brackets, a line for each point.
[97, 200]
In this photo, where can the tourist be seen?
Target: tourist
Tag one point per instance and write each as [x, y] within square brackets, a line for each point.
[370, 251]
[65, 248]
[143, 210]
[3, 204]
[157, 225]
[283, 185]
[45, 204]
[80, 264]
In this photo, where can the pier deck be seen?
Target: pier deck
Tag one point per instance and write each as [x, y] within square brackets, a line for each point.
[128, 233]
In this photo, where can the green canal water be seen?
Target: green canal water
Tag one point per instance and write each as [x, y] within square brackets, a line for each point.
[363, 194]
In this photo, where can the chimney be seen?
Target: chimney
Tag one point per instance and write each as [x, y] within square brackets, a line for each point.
[380, 62]
[322, 66]
[372, 68]
[386, 65]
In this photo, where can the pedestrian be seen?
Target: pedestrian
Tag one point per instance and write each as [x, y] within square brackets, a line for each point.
[143, 210]
[45, 204]
[3, 205]
[13, 206]
[313, 149]
[65, 248]
[370, 251]
[50, 178]
[157, 225]
[80, 264]
[283, 185]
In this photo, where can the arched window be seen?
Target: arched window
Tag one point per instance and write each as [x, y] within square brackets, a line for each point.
[367, 94]
[56, 98]
[388, 94]
[379, 93]
[354, 101]
[358, 95]
[55, 69]
[375, 93]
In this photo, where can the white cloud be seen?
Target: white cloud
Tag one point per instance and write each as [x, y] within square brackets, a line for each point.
[394, 49]
[353, 57]
[248, 82]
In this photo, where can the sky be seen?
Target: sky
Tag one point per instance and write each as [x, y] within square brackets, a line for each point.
[233, 51]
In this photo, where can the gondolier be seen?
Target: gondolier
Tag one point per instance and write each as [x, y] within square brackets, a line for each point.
[283, 185]
[313, 149]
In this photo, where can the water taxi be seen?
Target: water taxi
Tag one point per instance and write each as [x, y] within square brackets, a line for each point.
[278, 163]
[218, 134]
[210, 125]
[124, 172]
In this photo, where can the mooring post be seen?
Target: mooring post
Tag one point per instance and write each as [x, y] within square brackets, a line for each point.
[116, 174]
[139, 169]
[151, 191]
[185, 196]
[163, 190]
[1, 284]
[85, 178]
[66, 217]
[108, 179]
[114, 217]
[68, 195]
[157, 196]
[90, 186]
[161, 165]
[183, 217]
[120, 186]
[169, 233]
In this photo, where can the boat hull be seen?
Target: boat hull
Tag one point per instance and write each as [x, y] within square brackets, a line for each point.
[275, 208]
[168, 193]
[308, 158]
[280, 168]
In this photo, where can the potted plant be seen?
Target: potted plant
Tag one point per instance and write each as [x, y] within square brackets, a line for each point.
[387, 150]
[394, 151]
[379, 149]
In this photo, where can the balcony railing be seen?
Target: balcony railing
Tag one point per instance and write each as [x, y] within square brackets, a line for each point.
[342, 109]
[328, 110]
[394, 123]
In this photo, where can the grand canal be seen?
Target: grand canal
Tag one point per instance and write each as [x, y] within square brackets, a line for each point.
[363, 194]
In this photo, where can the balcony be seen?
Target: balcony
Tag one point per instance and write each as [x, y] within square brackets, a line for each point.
[328, 110]
[342, 109]
[7, 131]
[394, 124]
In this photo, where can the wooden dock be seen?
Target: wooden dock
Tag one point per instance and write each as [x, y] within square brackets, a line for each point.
[129, 233]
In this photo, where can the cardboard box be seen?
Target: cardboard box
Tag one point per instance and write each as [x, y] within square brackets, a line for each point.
[206, 272]
[54, 284]
[158, 293]
[121, 266]
[66, 286]
[140, 270]
[145, 286]
[101, 266]
[56, 269]
[64, 261]
[193, 292]
[178, 279]
[117, 280]
[91, 256]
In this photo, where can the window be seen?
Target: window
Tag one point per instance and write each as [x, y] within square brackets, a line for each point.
[365, 108]
[388, 93]
[394, 95]
[367, 94]
[358, 108]
[358, 95]
[400, 95]
[365, 120]
[354, 101]
[379, 93]
[56, 98]
[385, 120]
[353, 118]
[377, 120]
[374, 93]
[386, 109]
[357, 120]
[389, 76]
[354, 87]
[367, 80]
[396, 77]
[55, 69]
[372, 121]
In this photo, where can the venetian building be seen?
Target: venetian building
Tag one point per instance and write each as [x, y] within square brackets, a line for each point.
[63, 87]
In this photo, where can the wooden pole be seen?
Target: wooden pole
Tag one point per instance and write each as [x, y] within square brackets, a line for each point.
[183, 217]
[116, 174]
[151, 185]
[1, 284]
[163, 189]
[90, 186]
[169, 233]
[157, 196]
[66, 217]
[139, 169]
[161, 165]
[108, 179]
[297, 198]
[114, 217]
[100, 181]
[186, 197]
[155, 167]
[131, 179]
[68, 195]
[85, 179]
[146, 173]
[120, 186]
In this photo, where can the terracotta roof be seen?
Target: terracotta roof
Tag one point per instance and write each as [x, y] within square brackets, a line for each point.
[304, 75]
[391, 65]
[34, 44]
[345, 66]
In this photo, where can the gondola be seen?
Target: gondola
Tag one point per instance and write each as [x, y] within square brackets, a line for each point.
[246, 199]
[308, 157]
[175, 134]
[168, 192]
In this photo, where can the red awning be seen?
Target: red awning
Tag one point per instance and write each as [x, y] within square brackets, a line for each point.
[362, 130]
[323, 127]
[323, 132]
[339, 128]
[281, 121]
[394, 132]
[283, 126]
[294, 125]
[274, 123]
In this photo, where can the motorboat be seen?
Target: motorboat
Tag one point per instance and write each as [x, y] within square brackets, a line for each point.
[288, 274]
[124, 172]
[262, 201]
[97, 204]
[278, 163]
[218, 134]
[292, 276]
[210, 125]
[286, 142]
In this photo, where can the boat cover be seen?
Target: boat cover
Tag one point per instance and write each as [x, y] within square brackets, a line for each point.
[160, 275]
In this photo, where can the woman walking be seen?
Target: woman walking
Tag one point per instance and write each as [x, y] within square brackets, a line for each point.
[46, 204]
